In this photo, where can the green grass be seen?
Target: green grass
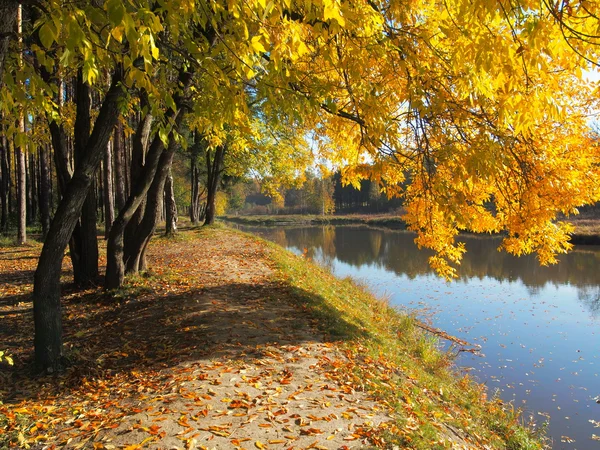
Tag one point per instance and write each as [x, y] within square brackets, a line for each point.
[401, 365]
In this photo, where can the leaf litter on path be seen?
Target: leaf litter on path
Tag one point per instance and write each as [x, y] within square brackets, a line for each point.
[209, 354]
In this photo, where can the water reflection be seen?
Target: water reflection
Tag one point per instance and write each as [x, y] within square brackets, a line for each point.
[395, 251]
[590, 297]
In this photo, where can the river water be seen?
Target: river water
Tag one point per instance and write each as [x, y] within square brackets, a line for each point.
[537, 326]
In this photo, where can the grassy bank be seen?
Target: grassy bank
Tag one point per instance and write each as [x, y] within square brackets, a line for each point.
[587, 227]
[392, 358]
[288, 220]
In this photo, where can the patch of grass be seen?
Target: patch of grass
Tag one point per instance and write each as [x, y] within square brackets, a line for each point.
[178, 236]
[402, 366]
[10, 241]
[7, 241]
[134, 286]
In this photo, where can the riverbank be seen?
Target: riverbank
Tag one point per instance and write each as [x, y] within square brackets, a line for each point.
[232, 342]
[292, 220]
[587, 226]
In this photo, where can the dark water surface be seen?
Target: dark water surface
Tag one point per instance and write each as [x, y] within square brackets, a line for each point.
[537, 326]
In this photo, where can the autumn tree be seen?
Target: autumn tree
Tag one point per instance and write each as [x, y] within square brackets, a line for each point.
[476, 113]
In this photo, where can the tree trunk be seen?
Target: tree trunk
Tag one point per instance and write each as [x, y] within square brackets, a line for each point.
[109, 203]
[44, 194]
[214, 169]
[202, 211]
[32, 194]
[20, 158]
[138, 157]
[170, 205]
[4, 183]
[115, 263]
[46, 287]
[64, 172]
[119, 158]
[21, 195]
[11, 181]
[209, 212]
[61, 156]
[153, 207]
[194, 190]
[88, 244]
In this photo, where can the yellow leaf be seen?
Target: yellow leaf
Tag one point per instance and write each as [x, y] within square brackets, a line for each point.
[257, 45]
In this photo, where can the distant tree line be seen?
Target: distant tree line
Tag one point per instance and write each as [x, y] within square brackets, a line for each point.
[317, 195]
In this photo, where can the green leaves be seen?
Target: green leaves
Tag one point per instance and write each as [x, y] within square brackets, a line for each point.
[48, 34]
[116, 11]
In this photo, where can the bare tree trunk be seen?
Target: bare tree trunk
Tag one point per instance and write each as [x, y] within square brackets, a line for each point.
[44, 196]
[115, 264]
[170, 206]
[62, 162]
[202, 211]
[109, 203]
[46, 288]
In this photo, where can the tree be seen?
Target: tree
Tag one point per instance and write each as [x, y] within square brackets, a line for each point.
[46, 293]
[20, 158]
[55, 24]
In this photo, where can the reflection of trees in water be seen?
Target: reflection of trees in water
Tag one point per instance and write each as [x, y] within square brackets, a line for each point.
[395, 250]
[590, 297]
[278, 236]
[533, 291]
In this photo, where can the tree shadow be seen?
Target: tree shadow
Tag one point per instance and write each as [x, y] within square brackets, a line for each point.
[17, 277]
[12, 300]
[104, 337]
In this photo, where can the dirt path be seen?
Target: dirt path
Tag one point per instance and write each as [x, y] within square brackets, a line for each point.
[216, 355]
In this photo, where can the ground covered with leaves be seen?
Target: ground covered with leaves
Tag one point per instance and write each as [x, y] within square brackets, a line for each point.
[230, 342]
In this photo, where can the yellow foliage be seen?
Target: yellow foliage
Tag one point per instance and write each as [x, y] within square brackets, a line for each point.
[475, 111]
[221, 203]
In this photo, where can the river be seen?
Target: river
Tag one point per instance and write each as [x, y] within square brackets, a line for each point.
[537, 326]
